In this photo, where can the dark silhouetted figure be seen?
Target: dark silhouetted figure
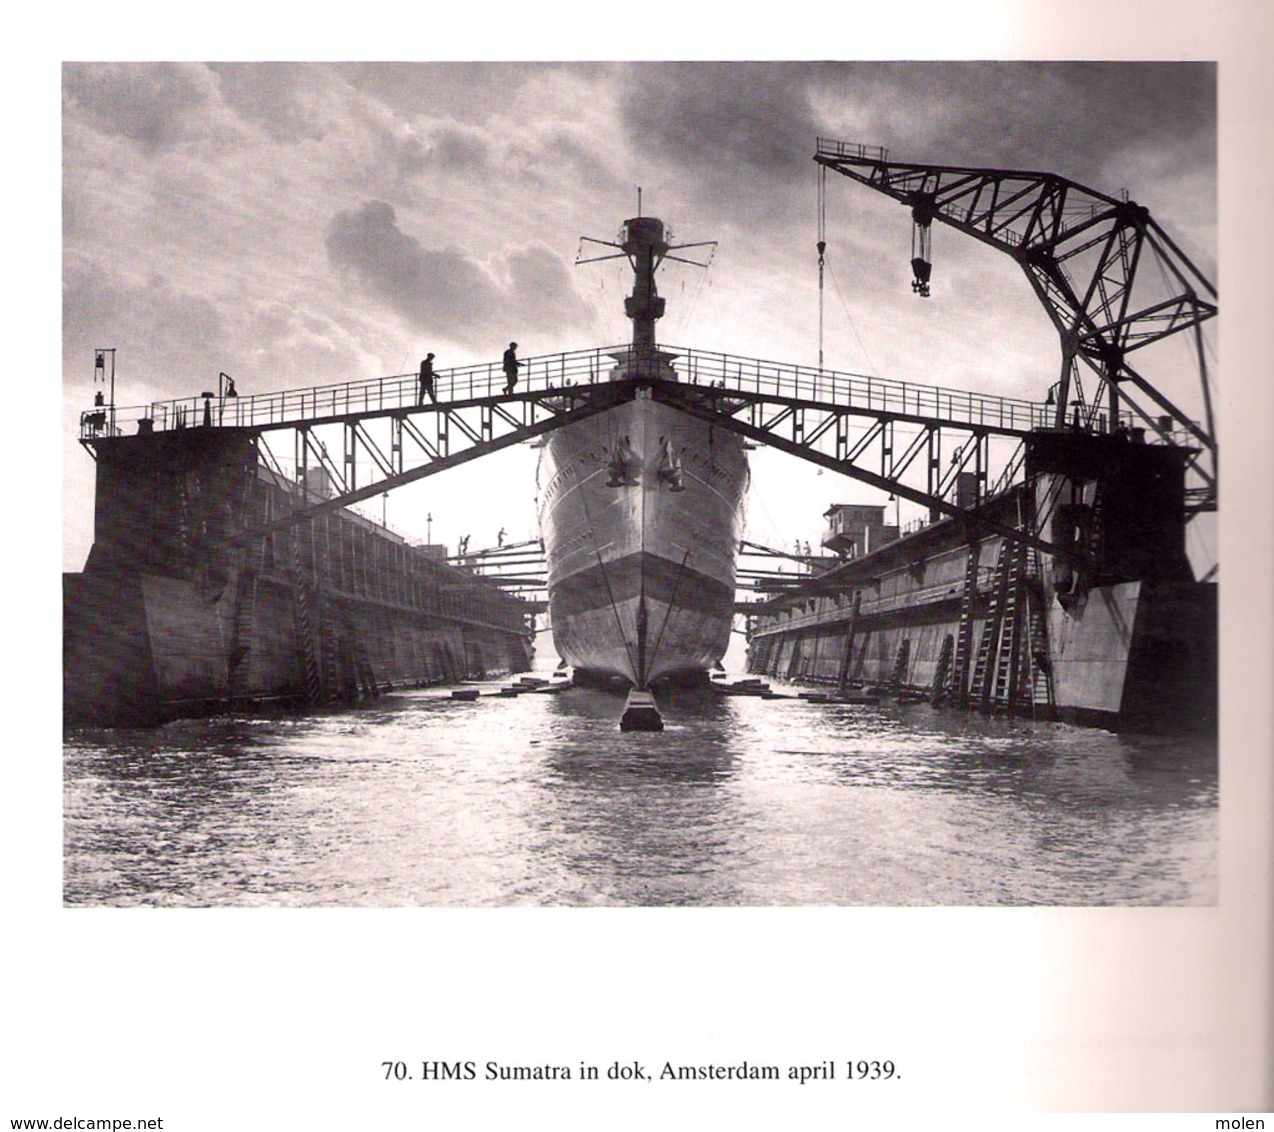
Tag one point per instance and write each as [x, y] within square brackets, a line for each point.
[511, 365]
[427, 380]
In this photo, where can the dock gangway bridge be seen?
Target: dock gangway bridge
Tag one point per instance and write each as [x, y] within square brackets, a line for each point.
[374, 435]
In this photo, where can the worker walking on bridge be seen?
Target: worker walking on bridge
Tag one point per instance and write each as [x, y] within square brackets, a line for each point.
[511, 365]
[427, 380]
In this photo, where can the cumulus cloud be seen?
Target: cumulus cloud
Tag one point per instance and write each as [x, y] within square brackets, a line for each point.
[154, 105]
[273, 96]
[459, 149]
[431, 289]
[445, 292]
[167, 340]
[743, 118]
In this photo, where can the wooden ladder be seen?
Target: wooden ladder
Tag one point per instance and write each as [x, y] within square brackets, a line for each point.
[986, 662]
[239, 676]
[1012, 623]
[942, 672]
[964, 636]
[1037, 694]
[363, 668]
[303, 617]
[900, 665]
[842, 681]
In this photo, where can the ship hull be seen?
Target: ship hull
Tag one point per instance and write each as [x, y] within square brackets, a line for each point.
[641, 559]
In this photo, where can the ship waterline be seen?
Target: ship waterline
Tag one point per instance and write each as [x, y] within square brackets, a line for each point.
[641, 511]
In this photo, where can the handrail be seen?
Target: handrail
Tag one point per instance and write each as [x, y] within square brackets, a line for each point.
[809, 384]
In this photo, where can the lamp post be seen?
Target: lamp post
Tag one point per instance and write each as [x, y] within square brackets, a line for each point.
[225, 388]
[99, 374]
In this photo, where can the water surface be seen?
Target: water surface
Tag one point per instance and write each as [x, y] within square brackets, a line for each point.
[419, 800]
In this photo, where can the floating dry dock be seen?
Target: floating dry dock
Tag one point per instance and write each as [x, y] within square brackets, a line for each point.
[1111, 630]
[176, 614]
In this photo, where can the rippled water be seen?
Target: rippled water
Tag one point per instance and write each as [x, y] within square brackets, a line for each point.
[419, 800]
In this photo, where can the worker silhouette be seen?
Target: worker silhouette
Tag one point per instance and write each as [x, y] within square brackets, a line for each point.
[427, 380]
[511, 365]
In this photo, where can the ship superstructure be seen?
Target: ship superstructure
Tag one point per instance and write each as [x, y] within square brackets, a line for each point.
[641, 511]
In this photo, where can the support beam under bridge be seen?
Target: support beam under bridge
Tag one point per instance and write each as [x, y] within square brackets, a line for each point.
[369, 437]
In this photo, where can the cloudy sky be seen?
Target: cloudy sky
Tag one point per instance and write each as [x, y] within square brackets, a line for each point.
[296, 224]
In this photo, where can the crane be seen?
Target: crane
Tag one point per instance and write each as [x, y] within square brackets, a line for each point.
[1111, 280]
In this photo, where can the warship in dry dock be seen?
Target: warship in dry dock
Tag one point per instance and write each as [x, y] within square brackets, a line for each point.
[1063, 591]
[641, 512]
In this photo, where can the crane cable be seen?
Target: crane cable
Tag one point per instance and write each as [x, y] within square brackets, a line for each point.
[822, 247]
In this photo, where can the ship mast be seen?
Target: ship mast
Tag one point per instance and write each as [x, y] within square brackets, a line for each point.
[644, 241]
[645, 246]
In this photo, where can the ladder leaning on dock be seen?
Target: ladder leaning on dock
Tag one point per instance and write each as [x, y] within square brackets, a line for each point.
[847, 652]
[989, 657]
[1008, 666]
[964, 641]
[1036, 693]
[303, 600]
[239, 666]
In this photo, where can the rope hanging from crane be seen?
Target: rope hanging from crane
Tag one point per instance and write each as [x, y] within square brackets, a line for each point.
[822, 247]
[922, 212]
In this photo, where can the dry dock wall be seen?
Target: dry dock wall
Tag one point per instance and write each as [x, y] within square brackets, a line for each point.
[141, 649]
[1134, 656]
[170, 619]
[1105, 626]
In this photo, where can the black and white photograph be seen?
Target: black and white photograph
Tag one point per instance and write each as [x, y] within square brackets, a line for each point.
[849, 543]
[664, 588]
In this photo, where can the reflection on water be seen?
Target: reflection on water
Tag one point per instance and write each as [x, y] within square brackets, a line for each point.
[541, 800]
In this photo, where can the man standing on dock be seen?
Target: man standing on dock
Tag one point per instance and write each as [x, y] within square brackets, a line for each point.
[427, 380]
[511, 364]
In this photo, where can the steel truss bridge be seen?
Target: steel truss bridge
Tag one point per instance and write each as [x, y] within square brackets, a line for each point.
[375, 435]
